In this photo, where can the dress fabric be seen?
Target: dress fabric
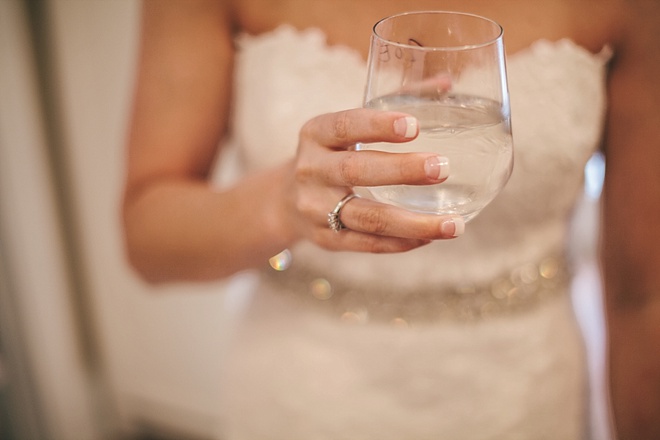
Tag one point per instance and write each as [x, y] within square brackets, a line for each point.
[471, 338]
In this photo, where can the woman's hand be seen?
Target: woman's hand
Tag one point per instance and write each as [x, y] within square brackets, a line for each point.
[327, 168]
[179, 227]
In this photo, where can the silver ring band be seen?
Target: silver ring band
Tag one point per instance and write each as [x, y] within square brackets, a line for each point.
[333, 218]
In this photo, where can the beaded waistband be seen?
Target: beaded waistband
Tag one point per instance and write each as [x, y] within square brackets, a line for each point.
[520, 289]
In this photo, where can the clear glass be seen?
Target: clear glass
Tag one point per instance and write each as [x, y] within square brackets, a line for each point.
[448, 70]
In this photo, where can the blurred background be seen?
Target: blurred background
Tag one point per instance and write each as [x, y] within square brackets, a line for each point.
[87, 351]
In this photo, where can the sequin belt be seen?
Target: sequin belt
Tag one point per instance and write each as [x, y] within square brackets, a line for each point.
[520, 289]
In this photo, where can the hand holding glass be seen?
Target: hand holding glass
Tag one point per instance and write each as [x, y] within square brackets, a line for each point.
[448, 70]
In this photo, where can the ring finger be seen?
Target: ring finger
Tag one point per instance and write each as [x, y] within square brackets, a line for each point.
[368, 216]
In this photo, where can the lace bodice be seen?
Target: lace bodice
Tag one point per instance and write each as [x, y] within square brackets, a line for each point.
[557, 103]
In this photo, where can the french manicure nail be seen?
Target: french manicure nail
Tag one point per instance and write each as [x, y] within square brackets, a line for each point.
[453, 227]
[437, 168]
[406, 127]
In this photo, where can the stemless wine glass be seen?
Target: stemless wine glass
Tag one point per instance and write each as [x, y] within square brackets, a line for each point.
[448, 70]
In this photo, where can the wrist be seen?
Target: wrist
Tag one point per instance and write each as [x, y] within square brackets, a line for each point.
[279, 220]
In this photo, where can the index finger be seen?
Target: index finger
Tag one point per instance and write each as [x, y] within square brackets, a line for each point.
[344, 129]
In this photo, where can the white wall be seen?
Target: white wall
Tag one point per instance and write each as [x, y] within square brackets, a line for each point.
[37, 288]
[160, 349]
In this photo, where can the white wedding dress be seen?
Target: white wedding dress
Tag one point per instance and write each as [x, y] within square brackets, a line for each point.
[472, 338]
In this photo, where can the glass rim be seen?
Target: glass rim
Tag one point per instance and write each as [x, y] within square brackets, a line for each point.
[497, 26]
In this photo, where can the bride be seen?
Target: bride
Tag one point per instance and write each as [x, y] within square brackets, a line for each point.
[400, 325]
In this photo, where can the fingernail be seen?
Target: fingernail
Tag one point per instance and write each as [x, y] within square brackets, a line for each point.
[406, 127]
[437, 168]
[453, 227]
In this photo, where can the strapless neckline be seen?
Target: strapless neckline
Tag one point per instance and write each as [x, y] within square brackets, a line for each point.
[543, 44]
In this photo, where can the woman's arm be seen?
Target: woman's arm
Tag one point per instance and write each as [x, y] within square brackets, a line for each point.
[175, 225]
[631, 249]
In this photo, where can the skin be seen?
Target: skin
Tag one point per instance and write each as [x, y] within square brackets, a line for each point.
[178, 228]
